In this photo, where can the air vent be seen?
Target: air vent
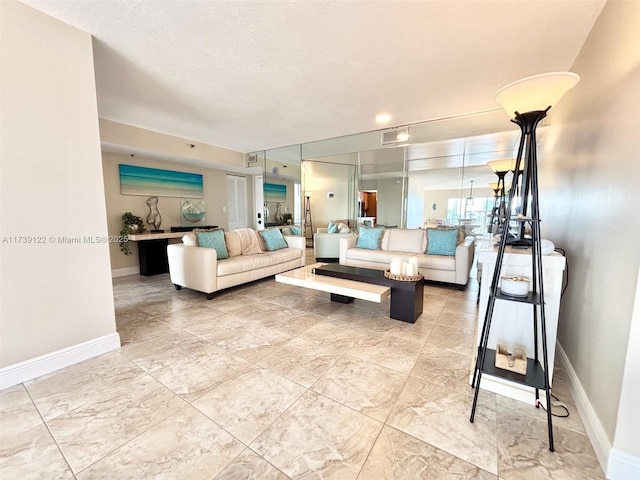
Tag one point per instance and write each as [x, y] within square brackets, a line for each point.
[252, 158]
[395, 136]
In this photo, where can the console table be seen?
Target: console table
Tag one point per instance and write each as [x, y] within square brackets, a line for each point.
[152, 250]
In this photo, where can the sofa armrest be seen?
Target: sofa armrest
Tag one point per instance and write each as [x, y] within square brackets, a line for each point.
[345, 244]
[193, 267]
[296, 241]
[464, 259]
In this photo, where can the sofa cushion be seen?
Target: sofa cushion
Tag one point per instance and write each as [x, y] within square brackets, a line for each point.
[246, 263]
[441, 241]
[273, 239]
[215, 240]
[234, 247]
[286, 231]
[437, 262]
[369, 237]
[406, 240]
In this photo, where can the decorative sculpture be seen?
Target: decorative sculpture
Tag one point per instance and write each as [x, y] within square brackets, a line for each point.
[154, 217]
[278, 215]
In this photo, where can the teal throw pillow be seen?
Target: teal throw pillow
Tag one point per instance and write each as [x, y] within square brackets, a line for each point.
[296, 230]
[215, 240]
[332, 228]
[369, 238]
[441, 242]
[273, 239]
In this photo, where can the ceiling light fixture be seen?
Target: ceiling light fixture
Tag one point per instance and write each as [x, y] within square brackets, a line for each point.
[383, 118]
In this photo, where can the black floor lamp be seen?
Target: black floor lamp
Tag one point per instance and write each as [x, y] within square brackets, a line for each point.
[501, 168]
[308, 223]
[529, 100]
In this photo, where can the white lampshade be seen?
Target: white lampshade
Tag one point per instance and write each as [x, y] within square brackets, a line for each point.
[506, 165]
[308, 194]
[536, 92]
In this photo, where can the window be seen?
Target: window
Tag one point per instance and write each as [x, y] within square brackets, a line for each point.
[237, 202]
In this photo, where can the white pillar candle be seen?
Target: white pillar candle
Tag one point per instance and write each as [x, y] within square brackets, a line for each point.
[396, 266]
[404, 268]
[410, 269]
[414, 261]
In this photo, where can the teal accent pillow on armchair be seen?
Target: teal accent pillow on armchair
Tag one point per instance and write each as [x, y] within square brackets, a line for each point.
[441, 242]
[215, 240]
[369, 238]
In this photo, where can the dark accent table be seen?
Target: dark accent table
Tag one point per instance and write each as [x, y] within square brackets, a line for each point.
[406, 297]
[152, 250]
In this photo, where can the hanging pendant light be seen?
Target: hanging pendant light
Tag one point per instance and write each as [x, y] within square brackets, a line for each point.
[470, 197]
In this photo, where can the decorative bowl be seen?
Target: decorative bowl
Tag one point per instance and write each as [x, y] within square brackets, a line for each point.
[514, 285]
[193, 211]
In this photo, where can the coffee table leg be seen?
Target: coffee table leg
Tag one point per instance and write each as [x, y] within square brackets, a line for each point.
[341, 298]
[406, 302]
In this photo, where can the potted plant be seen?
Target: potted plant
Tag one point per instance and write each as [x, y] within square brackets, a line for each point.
[130, 224]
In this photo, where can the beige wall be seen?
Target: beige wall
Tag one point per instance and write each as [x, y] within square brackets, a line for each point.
[215, 198]
[589, 175]
[54, 294]
[138, 140]
[322, 178]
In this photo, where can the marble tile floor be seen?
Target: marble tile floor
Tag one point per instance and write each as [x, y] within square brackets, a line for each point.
[268, 381]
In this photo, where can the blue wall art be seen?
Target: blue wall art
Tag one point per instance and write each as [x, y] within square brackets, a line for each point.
[162, 183]
[274, 192]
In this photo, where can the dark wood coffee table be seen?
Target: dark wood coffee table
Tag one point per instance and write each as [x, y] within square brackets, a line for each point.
[406, 297]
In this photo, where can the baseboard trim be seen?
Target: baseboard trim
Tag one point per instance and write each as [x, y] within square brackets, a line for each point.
[599, 440]
[623, 466]
[35, 367]
[123, 272]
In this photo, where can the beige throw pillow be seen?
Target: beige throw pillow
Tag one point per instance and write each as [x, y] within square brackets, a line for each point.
[234, 247]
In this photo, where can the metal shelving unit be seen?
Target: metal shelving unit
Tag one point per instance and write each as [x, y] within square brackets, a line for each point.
[537, 372]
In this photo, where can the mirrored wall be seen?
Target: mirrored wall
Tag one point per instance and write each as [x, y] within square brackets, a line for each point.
[437, 173]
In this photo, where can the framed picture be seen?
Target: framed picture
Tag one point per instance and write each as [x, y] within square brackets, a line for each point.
[274, 192]
[146, 181]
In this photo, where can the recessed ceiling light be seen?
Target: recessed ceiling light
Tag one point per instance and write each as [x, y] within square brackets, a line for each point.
[383, 118]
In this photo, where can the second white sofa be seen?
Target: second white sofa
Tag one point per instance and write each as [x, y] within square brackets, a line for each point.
[398, 242]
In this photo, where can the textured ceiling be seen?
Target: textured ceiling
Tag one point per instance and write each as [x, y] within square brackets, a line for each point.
[250, 75]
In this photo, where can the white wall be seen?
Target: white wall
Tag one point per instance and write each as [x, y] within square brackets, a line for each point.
[626, 445]
[390, 202]
[589, 174]
[322, 178]
[215, 199]
[54, 295]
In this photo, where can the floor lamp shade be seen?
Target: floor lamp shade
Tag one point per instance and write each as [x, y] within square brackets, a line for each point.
[499, 166]
[537, 92]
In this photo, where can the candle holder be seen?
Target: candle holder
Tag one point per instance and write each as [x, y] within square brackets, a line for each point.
[403, 278]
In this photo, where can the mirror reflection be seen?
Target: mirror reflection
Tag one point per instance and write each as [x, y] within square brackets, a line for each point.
[436, 174]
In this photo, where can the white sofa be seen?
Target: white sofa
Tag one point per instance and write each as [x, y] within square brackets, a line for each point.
[199, 269]
[407, 243]
[326, 246]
